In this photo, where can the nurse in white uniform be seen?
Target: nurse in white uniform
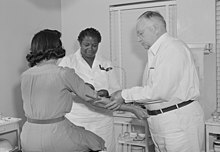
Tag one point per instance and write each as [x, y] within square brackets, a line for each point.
[99, 72]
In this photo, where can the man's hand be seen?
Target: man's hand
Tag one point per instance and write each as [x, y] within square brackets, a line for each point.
[117, 101]
[139, 112]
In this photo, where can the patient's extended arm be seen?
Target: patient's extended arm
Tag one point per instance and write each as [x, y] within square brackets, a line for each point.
[100, 102]
[90, 103]
[139, 112]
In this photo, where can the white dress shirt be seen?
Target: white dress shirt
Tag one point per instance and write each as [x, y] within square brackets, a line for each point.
[170, 75]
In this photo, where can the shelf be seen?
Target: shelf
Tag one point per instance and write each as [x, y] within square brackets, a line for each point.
[8, 125]
[136, 143]
[126, 122]
[15, 149]
[129, 121]
[8, 120]
[212, 122]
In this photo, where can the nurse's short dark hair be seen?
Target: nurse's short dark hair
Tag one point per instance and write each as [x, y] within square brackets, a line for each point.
[89, 32]
[45, 45]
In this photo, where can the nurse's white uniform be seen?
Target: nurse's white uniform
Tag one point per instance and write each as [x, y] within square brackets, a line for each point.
[97, 121]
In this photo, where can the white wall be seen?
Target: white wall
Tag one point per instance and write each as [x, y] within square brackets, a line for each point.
[20, 20]
[196, 24]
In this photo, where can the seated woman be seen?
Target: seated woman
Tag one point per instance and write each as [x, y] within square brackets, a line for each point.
[48, 92]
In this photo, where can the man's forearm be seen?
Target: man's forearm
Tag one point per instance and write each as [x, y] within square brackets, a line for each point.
[127, 107]
[137, 110]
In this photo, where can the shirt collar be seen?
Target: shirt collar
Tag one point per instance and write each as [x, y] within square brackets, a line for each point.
[95, 62]
[155, 47]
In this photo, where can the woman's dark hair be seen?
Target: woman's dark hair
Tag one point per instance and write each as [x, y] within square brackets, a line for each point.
[45, 45]
[89, 32]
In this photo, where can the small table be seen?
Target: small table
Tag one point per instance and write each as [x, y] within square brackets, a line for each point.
[10, 124]
[123, 122]
[213, 127]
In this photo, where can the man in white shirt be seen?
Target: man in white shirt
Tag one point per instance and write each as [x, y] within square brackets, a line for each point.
[170, 89]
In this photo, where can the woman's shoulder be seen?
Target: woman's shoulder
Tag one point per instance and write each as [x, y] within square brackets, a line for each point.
[30, 71]
[67, 73]
[68, 61]
[26, 72]
[66, 69]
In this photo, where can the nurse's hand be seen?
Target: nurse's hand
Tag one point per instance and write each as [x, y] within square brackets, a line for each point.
[117, 101]
[103, 93]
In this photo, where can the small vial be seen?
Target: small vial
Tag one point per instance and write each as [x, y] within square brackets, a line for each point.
[215, 116]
